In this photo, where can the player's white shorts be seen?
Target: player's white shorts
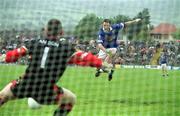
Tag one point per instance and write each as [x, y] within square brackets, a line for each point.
[164, 66]
[103, 55]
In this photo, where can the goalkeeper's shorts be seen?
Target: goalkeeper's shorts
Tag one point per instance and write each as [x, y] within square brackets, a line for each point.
[43, 93]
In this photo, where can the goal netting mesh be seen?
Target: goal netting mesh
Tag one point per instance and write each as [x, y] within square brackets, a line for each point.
[145, 78]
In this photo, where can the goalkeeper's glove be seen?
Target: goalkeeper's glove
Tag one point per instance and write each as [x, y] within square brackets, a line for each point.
[2, 58]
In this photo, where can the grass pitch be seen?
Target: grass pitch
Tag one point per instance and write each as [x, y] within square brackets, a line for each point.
[132, 92]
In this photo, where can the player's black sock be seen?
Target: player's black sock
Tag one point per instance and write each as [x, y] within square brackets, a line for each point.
[98, 72]
[110, 75]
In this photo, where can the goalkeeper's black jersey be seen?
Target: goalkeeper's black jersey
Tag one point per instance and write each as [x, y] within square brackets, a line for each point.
[48, 59]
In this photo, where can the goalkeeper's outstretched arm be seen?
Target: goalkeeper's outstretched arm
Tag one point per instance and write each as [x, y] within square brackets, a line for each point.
[13, 55]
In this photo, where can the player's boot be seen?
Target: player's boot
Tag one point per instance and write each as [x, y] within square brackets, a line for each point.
[104, 69]
[98, 72]
[110, 75]
[101, 70]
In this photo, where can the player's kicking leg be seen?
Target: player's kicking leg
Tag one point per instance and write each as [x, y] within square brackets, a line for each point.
[103, 56]
[103, 69]
[108, 59]
[110, 74]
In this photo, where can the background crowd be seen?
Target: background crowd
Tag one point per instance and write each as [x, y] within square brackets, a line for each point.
[129, 52]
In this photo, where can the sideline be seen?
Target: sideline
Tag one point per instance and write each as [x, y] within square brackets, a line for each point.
[147, 67]
[119, 66]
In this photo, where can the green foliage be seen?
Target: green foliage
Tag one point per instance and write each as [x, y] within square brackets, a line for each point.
[140, 30]
[88, 27]
[120, 18]
[176, 34]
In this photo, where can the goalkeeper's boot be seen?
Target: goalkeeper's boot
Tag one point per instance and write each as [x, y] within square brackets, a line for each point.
[110, 75]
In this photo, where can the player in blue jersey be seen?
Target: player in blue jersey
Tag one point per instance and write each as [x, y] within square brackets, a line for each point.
[163, 62]
[107, 42]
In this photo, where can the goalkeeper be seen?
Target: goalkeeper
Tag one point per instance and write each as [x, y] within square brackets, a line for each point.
[49, 58]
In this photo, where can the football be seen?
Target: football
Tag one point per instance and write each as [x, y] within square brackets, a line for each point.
[33, 104]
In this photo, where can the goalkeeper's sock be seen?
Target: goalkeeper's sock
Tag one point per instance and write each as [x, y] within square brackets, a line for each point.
[63, 110]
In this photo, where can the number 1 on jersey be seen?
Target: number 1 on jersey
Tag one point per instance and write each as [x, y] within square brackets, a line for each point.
[44, 57]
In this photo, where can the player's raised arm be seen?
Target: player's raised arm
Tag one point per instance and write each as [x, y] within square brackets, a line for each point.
[13, 55]
[132, 21]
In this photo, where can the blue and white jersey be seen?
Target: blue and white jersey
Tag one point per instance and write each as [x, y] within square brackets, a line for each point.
[109, 39]
[164, 58]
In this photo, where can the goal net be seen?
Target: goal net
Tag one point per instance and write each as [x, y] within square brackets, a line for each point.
[135, 43]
